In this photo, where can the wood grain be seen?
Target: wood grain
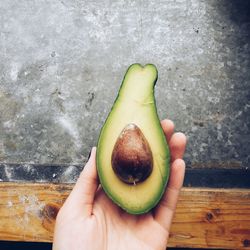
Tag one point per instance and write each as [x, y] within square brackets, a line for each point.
[205, 218]
[212, 218]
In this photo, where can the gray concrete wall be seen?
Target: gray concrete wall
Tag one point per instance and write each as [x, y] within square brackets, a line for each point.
[62, 62]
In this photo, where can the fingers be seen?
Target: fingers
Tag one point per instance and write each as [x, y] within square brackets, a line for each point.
[165, 210]
[82, 196]
[177, 146]
[168, 128]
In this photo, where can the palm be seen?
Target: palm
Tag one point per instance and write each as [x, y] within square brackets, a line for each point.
[127, 231]
[90, 220]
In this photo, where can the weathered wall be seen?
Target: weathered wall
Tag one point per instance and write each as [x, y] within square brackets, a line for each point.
[62, 62]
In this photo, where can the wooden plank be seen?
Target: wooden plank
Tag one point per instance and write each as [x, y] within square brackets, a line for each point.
[212, 218]
[205, 218]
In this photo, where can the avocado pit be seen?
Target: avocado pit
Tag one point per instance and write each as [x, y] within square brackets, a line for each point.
[132, 159]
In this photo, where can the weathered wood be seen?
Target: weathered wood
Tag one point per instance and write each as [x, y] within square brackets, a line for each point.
[212, 218]
[205, 218]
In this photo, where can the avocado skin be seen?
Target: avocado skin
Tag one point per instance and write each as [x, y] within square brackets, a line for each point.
[135, 103]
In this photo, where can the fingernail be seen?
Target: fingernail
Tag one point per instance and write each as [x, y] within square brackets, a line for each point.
[89, 154]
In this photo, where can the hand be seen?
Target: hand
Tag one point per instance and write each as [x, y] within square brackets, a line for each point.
[89, 220]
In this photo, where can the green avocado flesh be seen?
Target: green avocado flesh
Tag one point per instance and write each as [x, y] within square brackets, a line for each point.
[142, 149]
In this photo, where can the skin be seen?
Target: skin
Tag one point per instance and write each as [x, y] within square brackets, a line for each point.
[89, 220]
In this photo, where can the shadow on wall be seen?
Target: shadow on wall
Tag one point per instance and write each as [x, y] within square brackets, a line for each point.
[239, 12]
[239, 15]
[222, 127]
[233, 29]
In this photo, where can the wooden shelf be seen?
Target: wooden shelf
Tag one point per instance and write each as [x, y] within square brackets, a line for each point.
[205, 217]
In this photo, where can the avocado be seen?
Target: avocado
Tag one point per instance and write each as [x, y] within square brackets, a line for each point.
[132, 153]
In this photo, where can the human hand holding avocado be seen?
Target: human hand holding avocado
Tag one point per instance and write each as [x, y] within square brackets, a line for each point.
[135, 154]
[90, 220]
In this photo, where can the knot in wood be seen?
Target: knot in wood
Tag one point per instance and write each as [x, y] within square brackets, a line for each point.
[209, 216]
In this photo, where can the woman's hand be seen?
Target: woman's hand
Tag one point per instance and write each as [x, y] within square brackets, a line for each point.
[89, 220]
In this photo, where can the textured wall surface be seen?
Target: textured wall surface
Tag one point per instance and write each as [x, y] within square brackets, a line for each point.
[62, 62]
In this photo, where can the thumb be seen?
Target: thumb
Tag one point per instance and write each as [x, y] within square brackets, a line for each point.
[82, 196]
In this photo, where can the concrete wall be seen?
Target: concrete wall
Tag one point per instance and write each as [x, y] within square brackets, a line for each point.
[62, 62]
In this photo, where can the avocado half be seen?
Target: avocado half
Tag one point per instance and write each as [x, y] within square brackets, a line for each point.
[132, 152]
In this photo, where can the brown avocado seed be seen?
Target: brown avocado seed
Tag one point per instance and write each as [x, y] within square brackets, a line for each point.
[132, 159]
